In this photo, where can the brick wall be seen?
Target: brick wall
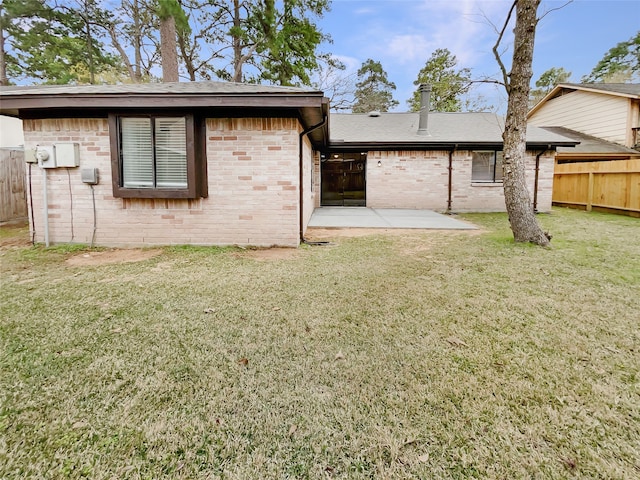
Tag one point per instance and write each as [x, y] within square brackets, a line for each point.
[407, 179]
[419, 179]
[253, 181]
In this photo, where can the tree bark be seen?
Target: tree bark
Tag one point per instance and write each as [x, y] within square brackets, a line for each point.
[522, 219]
[237, 46]
[3, 60]
[168, 47]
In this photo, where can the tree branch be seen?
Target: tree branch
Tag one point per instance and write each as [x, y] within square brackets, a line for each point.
[505, 75]
[554, 9]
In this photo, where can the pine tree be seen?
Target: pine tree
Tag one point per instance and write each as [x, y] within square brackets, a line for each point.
[620, 64]
[448, 85]
[374, 91]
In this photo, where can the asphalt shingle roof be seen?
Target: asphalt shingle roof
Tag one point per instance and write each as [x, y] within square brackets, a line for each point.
[196, 88]
[449, 128]
[588, 144]
[631, 89]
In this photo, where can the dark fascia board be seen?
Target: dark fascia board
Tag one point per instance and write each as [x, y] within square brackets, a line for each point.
[29, 101]
[311, 108]
[387, 146]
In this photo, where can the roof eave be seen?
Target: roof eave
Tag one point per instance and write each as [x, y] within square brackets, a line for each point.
[338, 145]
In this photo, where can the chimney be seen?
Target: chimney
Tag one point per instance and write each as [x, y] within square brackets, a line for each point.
[425, 94]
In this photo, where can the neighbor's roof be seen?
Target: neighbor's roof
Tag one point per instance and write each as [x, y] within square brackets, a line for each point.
[590, 146]
[445, 130]
[628, 90]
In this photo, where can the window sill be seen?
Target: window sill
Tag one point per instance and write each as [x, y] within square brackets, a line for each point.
[154, 193]
[486, 184]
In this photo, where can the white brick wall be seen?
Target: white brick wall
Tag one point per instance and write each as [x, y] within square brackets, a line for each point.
[253, 181]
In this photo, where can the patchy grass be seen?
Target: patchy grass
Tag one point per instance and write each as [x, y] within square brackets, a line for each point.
[427, 355]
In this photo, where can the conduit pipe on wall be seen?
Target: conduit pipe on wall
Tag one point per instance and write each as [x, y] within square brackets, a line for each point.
[301, 175]
[45, 206]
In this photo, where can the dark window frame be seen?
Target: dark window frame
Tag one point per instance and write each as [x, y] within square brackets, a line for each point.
[195, 150]
[493, 178]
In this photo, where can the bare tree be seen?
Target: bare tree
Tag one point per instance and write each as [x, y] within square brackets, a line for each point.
[522, 219]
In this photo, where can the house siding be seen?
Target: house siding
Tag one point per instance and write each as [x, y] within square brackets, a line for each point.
[252, 168]
[419, 180]
[600, 115]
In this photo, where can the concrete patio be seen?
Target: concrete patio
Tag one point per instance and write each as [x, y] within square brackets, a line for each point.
[361, 217]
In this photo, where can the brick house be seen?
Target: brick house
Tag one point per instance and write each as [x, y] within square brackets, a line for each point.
[210, 163]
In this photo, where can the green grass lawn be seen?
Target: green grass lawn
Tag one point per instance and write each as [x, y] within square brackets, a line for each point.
[414, 355]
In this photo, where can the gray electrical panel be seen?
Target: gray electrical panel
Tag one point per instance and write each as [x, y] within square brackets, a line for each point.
[67, 154]
[89, 176]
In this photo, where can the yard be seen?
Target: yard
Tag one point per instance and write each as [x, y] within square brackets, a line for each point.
[397, 355]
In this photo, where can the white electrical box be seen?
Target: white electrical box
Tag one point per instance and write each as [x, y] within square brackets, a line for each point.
[30, 156]
[89, 176]
[67, 154]
[46, 156]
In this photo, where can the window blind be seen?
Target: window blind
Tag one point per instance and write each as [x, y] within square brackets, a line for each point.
[137, 152]
[171, 152]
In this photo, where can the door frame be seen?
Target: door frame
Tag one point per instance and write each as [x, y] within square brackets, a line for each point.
[352, 190]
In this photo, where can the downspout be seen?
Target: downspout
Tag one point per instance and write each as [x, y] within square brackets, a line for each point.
[450, 189]
[301, 175]
[535, 181]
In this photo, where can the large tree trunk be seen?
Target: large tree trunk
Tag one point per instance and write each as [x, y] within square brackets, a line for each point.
[237, 46]
[168, 47]
[521, 215]
[3, 60]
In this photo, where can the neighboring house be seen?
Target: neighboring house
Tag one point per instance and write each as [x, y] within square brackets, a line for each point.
[11, 132]
[610, 112]
[220, 163]
[601, 172]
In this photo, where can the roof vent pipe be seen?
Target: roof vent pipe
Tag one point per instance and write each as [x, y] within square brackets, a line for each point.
[425, 96]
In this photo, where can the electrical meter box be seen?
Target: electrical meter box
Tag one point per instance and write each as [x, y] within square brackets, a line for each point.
[67, 154]
[46, 156]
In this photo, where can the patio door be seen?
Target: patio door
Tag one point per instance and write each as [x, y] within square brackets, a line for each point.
[343, 177]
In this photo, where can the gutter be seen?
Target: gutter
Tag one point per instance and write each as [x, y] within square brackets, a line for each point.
[535, 181]
[301, 175]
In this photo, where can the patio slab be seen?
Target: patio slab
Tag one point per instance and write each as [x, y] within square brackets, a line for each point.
[361, 217]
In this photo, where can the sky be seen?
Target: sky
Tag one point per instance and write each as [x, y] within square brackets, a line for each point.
[402, 34]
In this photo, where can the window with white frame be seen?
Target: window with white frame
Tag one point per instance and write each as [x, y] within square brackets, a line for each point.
[154, 156]
[486, 166]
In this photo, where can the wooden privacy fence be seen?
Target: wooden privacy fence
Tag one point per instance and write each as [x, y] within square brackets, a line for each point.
[611, 185]
[13, 197]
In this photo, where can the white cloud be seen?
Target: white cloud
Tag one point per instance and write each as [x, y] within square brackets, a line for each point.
[408, 48]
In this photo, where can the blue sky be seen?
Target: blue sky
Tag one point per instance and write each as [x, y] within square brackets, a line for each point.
[402, 34]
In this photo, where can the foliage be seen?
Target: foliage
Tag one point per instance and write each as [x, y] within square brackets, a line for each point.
[48, 43]
[448, 85]
[620, 64]
[242, 40]
[374, 91]
[547, 81]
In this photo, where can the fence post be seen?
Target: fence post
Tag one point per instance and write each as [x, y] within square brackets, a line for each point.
[590, 192]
